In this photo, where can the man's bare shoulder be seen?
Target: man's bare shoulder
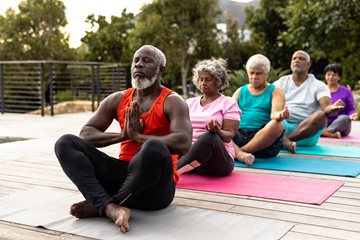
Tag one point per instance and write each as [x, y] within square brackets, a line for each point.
[175, 98]
[115, 97]
[175, 95]
[174, 102]
[112, 101]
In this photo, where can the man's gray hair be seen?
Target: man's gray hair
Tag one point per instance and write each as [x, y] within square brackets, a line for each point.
[258, 60]
[307, 56]
[215, 67]
[158, 54]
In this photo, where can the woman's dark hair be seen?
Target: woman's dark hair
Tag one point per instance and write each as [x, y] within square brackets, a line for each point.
[334, 67]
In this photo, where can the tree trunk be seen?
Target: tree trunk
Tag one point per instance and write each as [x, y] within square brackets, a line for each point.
[184, 71]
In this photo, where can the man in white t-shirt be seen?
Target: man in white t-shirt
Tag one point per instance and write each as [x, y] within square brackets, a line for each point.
[309, 103]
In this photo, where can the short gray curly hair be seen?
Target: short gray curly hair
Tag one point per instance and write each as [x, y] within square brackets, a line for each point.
[216, 67]
[258, 60]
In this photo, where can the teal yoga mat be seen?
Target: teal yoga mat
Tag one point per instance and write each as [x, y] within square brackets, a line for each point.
[306, 165]
[327, 150]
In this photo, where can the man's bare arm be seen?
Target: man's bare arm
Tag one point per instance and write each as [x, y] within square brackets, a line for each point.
[94, 130]
[328, 108]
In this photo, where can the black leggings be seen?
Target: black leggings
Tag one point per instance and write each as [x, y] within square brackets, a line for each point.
[146, 182]
[210, 152]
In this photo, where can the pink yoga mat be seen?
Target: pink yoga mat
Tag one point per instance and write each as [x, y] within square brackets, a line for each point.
[352, 138]
[293, 189]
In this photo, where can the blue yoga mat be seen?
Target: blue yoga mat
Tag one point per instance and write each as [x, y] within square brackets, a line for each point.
[327, 150]
[306, 165]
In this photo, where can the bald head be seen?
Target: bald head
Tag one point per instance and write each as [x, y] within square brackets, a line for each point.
[147, 67]
[158, 54]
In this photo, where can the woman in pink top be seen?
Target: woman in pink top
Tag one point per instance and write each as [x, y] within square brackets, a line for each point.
[215, 119]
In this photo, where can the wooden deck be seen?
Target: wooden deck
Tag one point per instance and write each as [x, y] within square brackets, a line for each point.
[25, 164]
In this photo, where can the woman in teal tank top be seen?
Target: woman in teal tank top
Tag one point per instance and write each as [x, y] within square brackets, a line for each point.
[263, 108]
[256, 109]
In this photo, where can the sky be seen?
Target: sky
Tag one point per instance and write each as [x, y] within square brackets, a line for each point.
[77, 11]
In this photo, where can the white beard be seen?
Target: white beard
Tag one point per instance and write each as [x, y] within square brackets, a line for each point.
[141, 83]
[298, 70]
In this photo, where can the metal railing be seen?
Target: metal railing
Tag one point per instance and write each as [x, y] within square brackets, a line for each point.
[26, 86]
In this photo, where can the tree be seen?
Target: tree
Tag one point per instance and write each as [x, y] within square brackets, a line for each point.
[267, 24]
[328, 29]
[232, 44]
[36, 32]
[185, 30]
[110, 42]
[235, 49]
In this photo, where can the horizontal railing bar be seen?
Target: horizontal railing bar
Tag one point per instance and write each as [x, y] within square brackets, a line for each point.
[61, 62]
[21, 97]
[21, 106]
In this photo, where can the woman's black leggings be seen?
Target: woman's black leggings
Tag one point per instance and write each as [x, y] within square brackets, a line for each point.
[209, 151]
[146, 182]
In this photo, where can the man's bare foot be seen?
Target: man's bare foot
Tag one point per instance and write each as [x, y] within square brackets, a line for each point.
[120, 215]
[290, 146]
[83, 209]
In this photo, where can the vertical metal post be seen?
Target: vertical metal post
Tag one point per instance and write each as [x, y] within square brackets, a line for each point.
[73, 92]
[51, 65]
[2, 85]
[42, 92]
[113, 79]
[92, 88]
[98, 84]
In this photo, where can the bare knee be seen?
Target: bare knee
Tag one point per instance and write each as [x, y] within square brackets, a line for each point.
[276, 127]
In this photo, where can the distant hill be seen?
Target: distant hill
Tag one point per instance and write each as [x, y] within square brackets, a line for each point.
[236, 9]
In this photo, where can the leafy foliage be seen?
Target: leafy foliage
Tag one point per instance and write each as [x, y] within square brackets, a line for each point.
[328, 29]
[36, 32]
[235, 49]
[267, 24]
[110, 41]
[185, 30]
[237, 79]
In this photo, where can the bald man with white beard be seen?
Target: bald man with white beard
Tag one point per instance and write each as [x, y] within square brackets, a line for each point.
[155, 129]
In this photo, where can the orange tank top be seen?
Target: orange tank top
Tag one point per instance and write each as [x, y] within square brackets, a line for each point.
[155, 123]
